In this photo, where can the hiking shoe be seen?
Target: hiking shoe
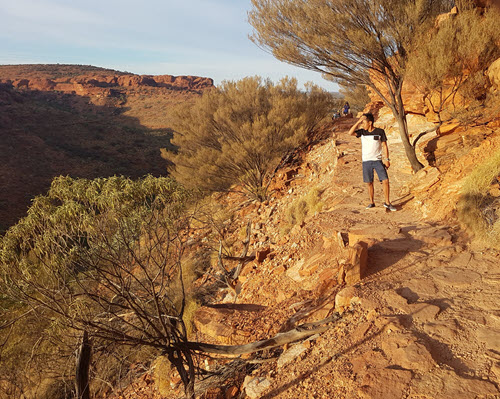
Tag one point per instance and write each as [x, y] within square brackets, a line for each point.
[390, 207]
[370, 206]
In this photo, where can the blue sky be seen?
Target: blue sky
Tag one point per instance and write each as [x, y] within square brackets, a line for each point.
[182, 37]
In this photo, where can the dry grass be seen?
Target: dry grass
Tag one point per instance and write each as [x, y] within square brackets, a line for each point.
[304, 206]
[162, 370]
[477, 208]
[192, 305]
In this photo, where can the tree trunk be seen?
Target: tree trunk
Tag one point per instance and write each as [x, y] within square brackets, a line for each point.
[82, 368]
[301, 332]
[400, 115]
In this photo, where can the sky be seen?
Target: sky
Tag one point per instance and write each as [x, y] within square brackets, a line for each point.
[206, 38]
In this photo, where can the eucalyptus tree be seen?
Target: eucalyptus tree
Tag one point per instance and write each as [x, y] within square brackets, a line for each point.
[365, 42]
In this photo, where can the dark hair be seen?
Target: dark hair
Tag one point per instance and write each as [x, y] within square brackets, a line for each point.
[369, 116]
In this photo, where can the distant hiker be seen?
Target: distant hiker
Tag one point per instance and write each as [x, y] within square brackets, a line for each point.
[373, 143]
[347, 107]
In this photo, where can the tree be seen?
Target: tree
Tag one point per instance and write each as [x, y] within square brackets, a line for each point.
[451, 59]
[238, 133]
[353, 41]
[103, 256]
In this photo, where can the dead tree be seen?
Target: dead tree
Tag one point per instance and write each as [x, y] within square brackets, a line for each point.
[82, 368]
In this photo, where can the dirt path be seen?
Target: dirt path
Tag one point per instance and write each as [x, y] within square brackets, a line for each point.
[426, 318]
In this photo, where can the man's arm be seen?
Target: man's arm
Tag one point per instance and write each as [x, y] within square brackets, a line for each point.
[385, 159]
[352, 130]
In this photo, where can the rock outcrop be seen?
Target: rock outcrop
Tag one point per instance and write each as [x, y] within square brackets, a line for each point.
[101, 84]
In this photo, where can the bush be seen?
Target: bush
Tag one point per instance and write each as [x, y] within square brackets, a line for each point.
[447, 64]
[238, 133]
[101, 256]
[477, 209]
[305, 206]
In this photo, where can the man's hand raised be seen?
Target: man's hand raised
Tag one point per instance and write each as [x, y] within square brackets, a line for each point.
[356, 126]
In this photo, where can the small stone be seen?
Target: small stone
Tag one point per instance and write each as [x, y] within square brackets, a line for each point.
[232, 392]
[279, 270]
[290, 355]
[345, 298]
[256, 387]
[261, 254]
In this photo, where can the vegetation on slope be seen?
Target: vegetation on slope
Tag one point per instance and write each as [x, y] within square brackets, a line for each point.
[100, 256]
[477, 209]
[237, 134]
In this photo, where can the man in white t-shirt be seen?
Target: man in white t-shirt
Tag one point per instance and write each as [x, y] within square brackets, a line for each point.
[373, 144]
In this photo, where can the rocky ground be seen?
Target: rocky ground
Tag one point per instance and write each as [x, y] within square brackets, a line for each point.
[419, 304]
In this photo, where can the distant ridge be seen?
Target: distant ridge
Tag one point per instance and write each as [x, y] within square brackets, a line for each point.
[82, 121]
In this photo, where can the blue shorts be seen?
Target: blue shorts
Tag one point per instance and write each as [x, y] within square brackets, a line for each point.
[369, 167]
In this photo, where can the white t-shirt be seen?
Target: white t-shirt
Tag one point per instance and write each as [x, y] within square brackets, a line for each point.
[371, 143]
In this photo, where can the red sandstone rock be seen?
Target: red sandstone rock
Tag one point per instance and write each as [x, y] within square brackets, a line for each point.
[355, 270]
[18, 83]
[262, 254]
[42, 84]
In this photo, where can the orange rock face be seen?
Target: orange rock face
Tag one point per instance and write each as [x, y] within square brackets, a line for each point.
[101, 84]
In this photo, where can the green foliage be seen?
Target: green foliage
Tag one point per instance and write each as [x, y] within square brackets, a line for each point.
[238, 133]
[33, 354]
[477, 209]
[100, 255]
[353, 41]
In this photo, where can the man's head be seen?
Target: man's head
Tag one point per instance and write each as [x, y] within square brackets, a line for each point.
[368, 120]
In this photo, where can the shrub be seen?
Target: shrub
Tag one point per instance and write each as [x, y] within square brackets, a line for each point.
[238, 133]
[477, 209]
[104, 256]
[447, 64]
[305, 206]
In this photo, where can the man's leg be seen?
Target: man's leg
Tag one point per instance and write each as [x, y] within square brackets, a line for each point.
[368, 179]
[371, 192]
[386, 190]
